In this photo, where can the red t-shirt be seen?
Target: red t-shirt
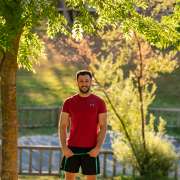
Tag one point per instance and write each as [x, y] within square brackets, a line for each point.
[83, 113]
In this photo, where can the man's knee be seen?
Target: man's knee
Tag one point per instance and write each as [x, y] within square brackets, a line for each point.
[70, 176]
[91, 177]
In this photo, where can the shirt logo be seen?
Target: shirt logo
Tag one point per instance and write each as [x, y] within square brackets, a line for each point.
[92, 105]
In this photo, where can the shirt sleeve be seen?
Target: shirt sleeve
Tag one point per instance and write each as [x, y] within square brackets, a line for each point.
[65, 107]
[102, 107]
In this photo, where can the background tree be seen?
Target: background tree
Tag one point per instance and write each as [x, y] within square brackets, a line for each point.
[135, 93]
[20, 46]
[136, 142]
[129, 97]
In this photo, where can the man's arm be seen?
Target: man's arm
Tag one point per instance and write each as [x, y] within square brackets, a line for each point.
[62, 130]
[101, 135]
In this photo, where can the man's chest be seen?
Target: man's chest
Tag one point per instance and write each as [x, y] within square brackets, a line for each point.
[89, 107]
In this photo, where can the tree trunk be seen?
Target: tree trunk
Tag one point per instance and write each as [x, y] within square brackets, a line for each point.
[9, 118]
[9, 114]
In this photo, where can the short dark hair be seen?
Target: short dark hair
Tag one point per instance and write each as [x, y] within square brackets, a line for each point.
[83, 72]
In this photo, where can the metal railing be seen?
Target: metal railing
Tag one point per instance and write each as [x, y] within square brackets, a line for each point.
[170, 115]
[46, 160]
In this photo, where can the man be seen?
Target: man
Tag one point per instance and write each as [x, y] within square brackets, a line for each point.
[86, 116]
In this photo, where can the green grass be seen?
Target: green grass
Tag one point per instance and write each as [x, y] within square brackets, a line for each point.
[38, 178]
[55, 80]
[82, 178]
[49, 86]
[58, 178]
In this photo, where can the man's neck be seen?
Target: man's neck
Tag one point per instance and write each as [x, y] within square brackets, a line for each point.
[84, 94]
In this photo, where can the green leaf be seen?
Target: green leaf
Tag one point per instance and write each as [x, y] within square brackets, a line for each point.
[30, 49]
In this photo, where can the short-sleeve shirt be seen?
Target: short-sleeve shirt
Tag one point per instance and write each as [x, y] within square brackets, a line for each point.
[83, 113]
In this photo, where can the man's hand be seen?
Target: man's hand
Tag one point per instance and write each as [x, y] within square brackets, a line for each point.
[94, 152]
[67, 152]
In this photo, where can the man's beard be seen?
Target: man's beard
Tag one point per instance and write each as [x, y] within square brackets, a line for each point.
[84, 91]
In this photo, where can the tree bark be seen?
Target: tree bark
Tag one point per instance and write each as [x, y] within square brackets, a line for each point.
[9, 118]
[9, 115]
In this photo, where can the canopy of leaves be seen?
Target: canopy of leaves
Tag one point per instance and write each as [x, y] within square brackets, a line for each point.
[21, 17]
[125, 14]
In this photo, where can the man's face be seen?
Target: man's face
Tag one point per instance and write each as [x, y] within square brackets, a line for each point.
[84, 83]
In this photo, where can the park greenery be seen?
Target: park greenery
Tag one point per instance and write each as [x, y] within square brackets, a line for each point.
[20, 46]
[137, 141]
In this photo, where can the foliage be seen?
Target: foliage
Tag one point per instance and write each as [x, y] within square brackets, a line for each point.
[123, 96]
[126, 15]
[160, 154]
[21, 18]
[30, 48]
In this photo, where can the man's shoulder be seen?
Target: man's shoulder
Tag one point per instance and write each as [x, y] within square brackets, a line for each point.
[70, 98]
[97, 97]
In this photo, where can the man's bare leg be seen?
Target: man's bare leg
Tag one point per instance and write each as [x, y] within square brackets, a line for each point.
[70, 176]
[91, 177]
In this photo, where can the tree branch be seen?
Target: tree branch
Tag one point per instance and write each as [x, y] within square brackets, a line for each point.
[140, 91]
[86, 52]
[120, 119]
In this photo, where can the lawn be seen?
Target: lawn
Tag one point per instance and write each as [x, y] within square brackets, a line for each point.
[48, 87]
[54, 80]
[38, 178]
[58, 178]
[82, 178]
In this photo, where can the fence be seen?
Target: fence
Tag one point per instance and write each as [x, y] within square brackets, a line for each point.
[171, 115]
[45, 160]
[31, 117]
[48, 116]
[41, 160]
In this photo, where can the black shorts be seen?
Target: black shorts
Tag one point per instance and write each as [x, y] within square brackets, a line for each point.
[89, 165]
